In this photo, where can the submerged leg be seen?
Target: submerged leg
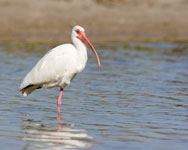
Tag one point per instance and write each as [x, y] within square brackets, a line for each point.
[60, 96]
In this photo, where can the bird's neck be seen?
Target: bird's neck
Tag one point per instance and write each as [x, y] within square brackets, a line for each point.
[79, 45]
[81, 49]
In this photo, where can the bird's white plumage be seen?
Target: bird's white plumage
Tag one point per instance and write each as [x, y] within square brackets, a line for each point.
[57, 67]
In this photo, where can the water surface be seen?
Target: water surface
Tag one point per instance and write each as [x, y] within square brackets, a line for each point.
[136, 101]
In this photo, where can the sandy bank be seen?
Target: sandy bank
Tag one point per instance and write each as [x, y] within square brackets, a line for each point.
[135, 20]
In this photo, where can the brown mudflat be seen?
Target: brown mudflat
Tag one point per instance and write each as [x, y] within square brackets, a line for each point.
[104, 20]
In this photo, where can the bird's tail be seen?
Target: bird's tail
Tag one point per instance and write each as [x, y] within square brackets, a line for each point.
[29, 89]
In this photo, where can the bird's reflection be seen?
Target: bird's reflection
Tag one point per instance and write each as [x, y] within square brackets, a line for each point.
[59, 136]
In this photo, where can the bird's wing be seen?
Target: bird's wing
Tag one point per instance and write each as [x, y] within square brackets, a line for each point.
[53, 65]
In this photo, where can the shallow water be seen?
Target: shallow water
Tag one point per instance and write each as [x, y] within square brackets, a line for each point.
[136, 101]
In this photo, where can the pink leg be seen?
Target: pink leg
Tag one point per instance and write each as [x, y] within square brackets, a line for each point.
[60, 96]
[59, 115]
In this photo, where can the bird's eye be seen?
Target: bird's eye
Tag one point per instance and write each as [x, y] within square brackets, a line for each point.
[78, 31]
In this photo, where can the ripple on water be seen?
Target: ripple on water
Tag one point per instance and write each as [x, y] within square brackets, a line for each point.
[137, 100]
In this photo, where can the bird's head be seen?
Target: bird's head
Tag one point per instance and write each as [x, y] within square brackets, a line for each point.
[79, 33]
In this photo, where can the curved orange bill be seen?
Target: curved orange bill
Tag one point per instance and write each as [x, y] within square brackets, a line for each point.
[85, 40]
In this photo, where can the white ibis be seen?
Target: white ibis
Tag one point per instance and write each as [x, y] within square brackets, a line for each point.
[60, 65]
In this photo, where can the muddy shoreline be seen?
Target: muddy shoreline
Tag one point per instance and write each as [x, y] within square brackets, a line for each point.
[116, 20]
